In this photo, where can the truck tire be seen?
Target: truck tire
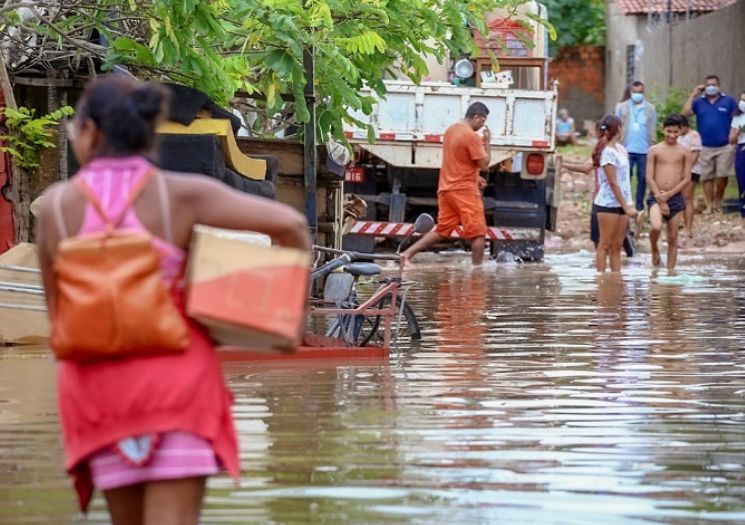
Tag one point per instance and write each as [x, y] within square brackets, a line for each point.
[521, 251]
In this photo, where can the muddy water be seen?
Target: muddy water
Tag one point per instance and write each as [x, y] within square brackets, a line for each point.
[540, 395]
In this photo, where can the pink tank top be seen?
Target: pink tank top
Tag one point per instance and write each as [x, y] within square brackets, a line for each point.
[112, 181]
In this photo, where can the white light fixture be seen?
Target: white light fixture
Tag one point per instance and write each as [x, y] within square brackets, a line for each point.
[463, 68]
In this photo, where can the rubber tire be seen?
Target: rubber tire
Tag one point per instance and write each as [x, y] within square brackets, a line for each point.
[409, 317]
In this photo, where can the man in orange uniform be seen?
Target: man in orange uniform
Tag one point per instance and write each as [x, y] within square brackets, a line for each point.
[464, 154]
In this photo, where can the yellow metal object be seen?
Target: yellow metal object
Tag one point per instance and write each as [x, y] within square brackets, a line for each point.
[235, 159]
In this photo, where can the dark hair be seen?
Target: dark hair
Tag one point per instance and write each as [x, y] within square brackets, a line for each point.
[608, 127]
[672, 120]
[708, 77]
[636, 83]
[125, 111]
[477, 109]
[684, 122]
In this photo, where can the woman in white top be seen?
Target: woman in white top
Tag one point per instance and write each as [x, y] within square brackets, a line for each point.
[737, 137]
[611, 203]
[691, 139]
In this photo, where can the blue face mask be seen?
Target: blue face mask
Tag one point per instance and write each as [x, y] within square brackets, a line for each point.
[637, 98]
[712, 91]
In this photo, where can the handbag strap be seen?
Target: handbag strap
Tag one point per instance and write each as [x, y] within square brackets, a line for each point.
[113, 222]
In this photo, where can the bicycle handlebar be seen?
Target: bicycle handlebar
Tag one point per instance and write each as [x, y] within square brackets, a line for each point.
[346, 257]
[330, 267]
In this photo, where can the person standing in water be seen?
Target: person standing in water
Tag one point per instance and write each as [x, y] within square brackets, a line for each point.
[668, 173]
[459, 202]
[613, 202]
[146, 431]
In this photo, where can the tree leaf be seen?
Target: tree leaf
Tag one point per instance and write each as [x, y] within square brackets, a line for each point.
[280, 61]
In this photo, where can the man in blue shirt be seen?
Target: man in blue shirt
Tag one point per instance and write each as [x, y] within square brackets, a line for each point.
[639, 120]
[714, 112]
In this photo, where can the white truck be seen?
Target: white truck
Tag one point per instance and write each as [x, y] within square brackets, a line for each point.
[398, 171]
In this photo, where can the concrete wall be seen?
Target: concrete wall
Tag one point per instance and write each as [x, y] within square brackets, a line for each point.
[580, 72]
[681, 55]
[621, 31]
[676, 56]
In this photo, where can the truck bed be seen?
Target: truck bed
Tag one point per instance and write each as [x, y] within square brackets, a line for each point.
[409, 122]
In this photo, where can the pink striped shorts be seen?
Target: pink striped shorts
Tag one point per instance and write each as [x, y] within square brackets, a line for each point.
[151, 457]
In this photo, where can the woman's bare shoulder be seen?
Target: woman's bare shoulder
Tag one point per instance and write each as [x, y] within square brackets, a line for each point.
[43, 203]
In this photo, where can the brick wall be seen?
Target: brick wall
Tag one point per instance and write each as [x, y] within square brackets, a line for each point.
[580, 72]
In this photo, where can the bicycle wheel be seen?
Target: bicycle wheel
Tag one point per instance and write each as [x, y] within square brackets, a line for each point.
[372, 329]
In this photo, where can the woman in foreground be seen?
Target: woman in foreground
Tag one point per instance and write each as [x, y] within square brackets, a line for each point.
[147, 431]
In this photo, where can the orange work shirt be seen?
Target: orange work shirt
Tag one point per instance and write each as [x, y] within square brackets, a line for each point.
[462, 148]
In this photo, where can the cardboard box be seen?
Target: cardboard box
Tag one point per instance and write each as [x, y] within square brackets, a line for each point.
[23, 311]
[247, 293]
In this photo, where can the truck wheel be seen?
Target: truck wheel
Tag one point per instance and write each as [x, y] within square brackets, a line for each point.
[533, 252]
[526, 251]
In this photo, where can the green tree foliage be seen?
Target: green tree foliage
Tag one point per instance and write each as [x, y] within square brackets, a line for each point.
[28, 135]
[257, 46]
[668, 105]
[577, 22]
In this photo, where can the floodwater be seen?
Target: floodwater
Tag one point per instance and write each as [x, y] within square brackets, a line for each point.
[540, 395]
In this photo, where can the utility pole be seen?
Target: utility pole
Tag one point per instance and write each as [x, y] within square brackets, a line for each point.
[310, 152]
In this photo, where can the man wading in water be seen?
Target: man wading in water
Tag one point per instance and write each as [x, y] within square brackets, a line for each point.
[668, 173]
[464, 154]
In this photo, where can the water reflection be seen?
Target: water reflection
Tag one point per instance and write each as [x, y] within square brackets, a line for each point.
[541, 394]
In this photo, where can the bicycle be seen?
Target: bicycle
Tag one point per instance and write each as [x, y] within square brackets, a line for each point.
[383, 317]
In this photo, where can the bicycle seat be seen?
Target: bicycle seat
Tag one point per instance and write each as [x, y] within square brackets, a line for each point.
[362, 268]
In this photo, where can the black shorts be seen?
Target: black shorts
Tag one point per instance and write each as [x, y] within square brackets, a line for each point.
[594, 226]
[676, 203]
[605, 209]
[696, 177]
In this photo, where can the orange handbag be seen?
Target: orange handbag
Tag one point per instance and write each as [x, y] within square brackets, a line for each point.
[111, 300]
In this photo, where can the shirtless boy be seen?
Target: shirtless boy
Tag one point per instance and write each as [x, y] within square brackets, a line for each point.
[668, 172]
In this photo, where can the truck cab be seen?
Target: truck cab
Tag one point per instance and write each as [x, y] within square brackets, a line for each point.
[397, 173]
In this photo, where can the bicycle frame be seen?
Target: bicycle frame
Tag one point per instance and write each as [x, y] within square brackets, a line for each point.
[366, 308]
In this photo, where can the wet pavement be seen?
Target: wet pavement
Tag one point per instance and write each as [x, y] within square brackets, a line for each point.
[540, 394]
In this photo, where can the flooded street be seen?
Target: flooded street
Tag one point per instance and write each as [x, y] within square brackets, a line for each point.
[540, 394]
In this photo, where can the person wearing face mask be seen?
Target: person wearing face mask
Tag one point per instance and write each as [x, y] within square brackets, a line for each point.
[714, 111]
[639, 133]
[737, 138]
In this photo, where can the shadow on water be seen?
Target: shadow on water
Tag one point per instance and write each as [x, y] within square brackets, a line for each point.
[540, 394]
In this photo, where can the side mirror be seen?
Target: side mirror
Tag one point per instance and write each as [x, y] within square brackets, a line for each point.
[424, 223]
